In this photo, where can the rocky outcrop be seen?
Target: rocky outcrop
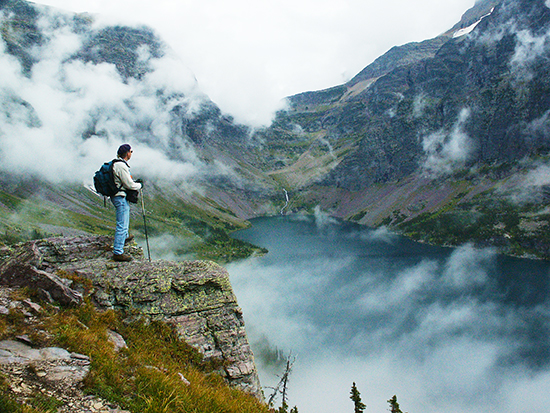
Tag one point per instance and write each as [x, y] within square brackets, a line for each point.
[51, 371]
[21, 269]
[195, 296]
[51, 376]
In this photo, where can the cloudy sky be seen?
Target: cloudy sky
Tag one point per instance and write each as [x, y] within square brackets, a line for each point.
[248, 55]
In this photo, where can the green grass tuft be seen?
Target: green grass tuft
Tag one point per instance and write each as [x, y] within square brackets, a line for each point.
[146, 376]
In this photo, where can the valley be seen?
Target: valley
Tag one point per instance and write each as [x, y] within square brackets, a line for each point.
[444, 141]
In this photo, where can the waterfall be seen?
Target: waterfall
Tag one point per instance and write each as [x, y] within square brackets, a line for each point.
[287, 200]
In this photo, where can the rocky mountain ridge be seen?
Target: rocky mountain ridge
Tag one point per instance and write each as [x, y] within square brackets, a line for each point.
[405, 117]
[432, 135]
[441, 127]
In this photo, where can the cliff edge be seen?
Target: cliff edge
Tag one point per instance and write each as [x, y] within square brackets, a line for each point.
[196, 297]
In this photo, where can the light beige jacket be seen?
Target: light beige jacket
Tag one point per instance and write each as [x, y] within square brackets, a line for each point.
[121, 173]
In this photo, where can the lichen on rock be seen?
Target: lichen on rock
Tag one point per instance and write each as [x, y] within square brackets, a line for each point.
[194, 296]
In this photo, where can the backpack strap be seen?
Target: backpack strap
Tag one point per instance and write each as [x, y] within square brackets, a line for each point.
[113, 173]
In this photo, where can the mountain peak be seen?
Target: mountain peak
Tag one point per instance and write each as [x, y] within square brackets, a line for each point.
[473, 16]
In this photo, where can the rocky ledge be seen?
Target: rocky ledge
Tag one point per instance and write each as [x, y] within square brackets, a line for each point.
[195, 296]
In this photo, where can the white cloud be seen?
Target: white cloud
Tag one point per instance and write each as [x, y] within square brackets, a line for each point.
[44, 116]
[156, 166]
[528, 49]
[380, 234]
[385, 297]
[447, 150]
[322, 219]
[522, 392]
[539, 176]
[440, 332]
[248, 56]
[467, 267]
[419, 104]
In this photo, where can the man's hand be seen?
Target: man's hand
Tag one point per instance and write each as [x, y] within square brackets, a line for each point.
[140, 181]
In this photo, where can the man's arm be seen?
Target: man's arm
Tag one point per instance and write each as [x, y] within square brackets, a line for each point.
[123, 173]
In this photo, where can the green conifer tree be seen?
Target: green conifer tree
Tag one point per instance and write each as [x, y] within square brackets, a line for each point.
[355, 396]
[394, 406]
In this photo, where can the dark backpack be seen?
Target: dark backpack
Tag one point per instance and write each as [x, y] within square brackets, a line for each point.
[104, 179]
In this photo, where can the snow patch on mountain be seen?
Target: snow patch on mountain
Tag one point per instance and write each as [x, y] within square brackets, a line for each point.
[466, 30]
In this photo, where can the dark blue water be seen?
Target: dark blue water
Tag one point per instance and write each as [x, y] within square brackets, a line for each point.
[462, 325]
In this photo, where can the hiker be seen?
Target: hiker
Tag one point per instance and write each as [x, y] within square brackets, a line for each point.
[124, 181]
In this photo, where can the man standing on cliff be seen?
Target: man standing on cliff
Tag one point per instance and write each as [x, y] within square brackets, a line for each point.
[124, 181]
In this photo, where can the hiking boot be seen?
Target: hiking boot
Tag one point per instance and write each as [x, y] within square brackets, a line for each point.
[129, 239]
[122, 257]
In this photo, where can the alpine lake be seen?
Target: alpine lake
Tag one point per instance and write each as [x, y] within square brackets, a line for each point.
[445, 329]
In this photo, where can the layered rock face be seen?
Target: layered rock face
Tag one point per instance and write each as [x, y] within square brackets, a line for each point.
[195, 296]
[431, 108]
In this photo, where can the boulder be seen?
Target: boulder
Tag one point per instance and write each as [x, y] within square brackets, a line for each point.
[23, 269]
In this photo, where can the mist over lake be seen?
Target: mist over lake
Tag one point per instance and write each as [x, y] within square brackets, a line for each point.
[446, 330]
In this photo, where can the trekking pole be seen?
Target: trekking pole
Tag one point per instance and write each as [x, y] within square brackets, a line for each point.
[145, 224]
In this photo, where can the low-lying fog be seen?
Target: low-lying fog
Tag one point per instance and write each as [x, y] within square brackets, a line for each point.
[446, 330]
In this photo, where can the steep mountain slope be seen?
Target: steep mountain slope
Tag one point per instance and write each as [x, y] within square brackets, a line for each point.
[447, 134]
[71, 91]
[446, 140]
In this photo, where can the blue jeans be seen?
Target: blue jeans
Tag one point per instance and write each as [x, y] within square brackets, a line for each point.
[122, 223]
